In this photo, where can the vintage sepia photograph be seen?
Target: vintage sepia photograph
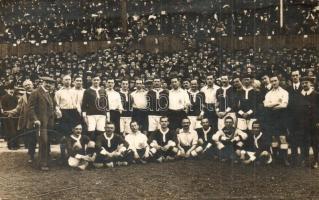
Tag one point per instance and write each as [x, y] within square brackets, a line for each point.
[159, 99]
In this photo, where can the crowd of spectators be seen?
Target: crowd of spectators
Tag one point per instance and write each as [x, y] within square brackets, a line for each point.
[188, 64]
[57, 20]
[50, 20]
[206, 19]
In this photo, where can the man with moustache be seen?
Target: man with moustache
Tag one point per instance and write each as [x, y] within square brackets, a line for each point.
[309, 121]
[187, 140]
[22, 111]
[41, 116]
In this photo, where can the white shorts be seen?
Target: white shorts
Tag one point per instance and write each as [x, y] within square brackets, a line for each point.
[153, 122]
[221, 123]
[96, 122]
[194, 122]
[245, 124]
[125, 124]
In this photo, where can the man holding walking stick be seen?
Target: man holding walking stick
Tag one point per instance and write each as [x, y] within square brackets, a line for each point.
[41, 117]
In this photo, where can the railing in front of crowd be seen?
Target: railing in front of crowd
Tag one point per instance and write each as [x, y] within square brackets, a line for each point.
[163, 44]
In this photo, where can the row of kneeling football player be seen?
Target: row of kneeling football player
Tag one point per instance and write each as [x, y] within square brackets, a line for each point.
[111, 149]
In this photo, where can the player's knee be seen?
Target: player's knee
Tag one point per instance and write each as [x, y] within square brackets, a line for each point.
[175, 150]
[194, 153]
[199, 149]
[83, 166]
[238, 152]
[153, 151]
[73, 162]
[98, 165]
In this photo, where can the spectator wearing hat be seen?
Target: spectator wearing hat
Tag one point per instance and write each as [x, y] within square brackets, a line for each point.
[22, 111]
[41, 115]
[8, 102]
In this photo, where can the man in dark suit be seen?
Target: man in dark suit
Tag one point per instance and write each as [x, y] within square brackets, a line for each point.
[309, 120]
[9, 101]
[22, 111]
[294, 117]
[41, 115]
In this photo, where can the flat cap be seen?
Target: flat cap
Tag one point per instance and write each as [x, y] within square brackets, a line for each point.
[47, 79]
[306, 78]
[26, 82]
